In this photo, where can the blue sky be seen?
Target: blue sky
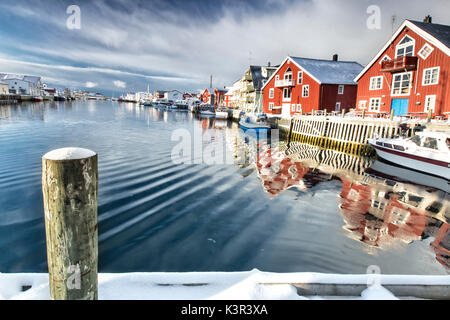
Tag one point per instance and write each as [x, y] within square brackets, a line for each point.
[127, 45]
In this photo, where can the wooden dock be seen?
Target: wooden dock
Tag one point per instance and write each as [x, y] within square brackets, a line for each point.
[341, 134]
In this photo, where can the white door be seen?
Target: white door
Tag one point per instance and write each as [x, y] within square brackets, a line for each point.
[286, 110]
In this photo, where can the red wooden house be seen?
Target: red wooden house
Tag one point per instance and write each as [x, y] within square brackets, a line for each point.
[301, 85]
[207, 97]
[219, 97]
[227, 99]
[410, 73]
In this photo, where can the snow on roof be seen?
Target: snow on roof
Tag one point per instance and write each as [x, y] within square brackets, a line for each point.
[440, 31]
[330, 72]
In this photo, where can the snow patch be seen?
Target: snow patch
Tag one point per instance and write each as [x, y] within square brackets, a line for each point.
[69, 154]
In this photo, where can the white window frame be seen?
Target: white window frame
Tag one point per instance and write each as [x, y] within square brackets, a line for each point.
[284, 96]
[405, 45]
[419, 53]
[371, 88]
[409, 87]
[293, 107]
[431, 69]
[306, 86]
[362, 104]
[288, 75]
[371, 108]
[386, 57]
[299, 108]
[430, 98]
[271, 105]
[336, 107]
[271, 93]
[300, 77]
[277, 77]
[341, 89]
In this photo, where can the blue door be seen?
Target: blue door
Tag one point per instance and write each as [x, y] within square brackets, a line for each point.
[400, 107]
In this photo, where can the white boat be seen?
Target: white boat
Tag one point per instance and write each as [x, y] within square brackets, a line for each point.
[207, 113]
[427, 152]
[246, 123]
[221, 114]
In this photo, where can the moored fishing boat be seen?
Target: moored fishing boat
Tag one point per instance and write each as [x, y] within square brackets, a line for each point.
[247, 124]
[427, 152]
[222, 114]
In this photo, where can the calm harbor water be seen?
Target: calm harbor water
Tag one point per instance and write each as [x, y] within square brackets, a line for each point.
[311, 210]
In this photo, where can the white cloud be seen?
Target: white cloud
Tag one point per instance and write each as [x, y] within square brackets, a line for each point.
[120, 84]
[174, 51]
[90, 84]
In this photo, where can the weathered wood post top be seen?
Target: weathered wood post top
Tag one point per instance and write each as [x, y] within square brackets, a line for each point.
[70, 190]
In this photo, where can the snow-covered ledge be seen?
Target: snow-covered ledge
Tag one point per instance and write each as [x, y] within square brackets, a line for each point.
[69, 154]
[251, 285]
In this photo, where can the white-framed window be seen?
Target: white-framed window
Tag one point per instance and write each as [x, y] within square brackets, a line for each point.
[305, 91]
[385, 58]
[430, 102]
[286, 94]
[425, 51]
[300, 77]
[271, 105]
[362, 104]
[299, 108]
[405, 47]
[271, 93]
[293, 108]
[288, 74]
[401, 84]
[376, 83]
[341, 89]
[374, 104]
[338, 106]
[277, 77]
[430, 76]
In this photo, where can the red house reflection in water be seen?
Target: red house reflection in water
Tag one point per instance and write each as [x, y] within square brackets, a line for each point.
[277, 171]
[377, 215]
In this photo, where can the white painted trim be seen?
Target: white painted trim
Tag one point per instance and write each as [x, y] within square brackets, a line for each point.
[370, 104]
[271, 93]
[271, 105]
[425, 35]
[370, 83]
[423, 47]
[434, 102]
[409, 87]
[382, 59]
[298, 73]
[405, 45]
[343, 88]
[303, 92]
[423, 76]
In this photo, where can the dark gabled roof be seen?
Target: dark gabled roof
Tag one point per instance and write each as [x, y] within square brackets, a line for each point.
[257, 77]
[440, 31]
[330, 72]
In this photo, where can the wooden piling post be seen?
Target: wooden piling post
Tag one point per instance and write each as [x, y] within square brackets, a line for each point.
[290, 130]
[429, 115]
[70, 190]
[343, 113]
[392, 114]
[364, 113]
